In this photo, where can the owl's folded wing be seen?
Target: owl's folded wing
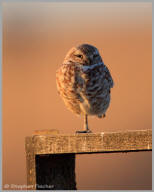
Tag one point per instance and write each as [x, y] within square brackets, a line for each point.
[108, 77]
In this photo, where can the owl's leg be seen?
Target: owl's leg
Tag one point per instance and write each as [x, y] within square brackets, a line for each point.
[86, 128]
[86, 124]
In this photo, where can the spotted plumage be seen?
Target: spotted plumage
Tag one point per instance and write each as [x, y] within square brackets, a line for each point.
[84, 82]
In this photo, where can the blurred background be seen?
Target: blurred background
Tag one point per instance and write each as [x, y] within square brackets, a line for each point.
[36, 38]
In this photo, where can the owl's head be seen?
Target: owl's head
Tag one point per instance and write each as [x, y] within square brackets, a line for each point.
[84, 54]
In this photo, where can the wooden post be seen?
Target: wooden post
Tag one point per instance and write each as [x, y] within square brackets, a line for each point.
[50, 156]
[55, 172]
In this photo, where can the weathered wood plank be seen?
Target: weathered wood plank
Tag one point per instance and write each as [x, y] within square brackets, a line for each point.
[93, 142]
[46, 148]
[30, 164]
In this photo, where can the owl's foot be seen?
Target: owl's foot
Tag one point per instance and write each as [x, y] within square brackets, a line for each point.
[85, 131]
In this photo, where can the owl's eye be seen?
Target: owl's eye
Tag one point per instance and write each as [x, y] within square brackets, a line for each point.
[78, 55]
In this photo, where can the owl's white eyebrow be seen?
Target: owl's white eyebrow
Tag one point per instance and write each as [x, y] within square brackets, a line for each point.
[85, 67]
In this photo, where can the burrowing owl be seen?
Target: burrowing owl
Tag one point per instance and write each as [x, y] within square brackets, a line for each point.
[84, 83]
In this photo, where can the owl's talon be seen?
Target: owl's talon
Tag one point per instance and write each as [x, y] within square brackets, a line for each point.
[85, 131]
[89, 131]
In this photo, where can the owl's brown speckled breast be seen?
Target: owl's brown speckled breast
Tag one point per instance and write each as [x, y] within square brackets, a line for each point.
[67, 85]
[85, 89]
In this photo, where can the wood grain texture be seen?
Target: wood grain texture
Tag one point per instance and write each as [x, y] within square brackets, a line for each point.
[54, 144]
[30, 164]
[91, 142]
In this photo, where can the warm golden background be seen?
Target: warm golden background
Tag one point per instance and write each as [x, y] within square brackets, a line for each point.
[36, 37]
